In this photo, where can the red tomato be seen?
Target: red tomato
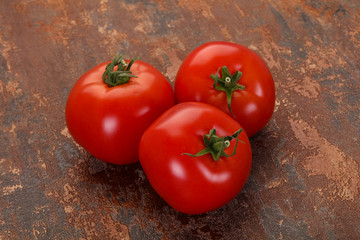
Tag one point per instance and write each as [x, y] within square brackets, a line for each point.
[109, 121]
[189, 184]
[246, 87]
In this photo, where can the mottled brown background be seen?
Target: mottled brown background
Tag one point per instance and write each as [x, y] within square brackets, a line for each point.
[305, 181]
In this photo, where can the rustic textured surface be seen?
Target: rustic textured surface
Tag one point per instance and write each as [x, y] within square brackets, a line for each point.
[305, 181]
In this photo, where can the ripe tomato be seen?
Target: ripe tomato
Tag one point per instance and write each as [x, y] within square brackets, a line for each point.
[232, 78]
[195, 184]
[108, 109]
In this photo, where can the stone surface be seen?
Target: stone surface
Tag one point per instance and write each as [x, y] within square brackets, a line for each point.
[305, 179]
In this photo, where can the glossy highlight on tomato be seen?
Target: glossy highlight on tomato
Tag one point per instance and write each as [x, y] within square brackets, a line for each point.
[189, 184]
[108, 121]
[250, 94]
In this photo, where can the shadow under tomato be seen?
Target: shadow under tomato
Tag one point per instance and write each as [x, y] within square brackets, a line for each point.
[124, 185]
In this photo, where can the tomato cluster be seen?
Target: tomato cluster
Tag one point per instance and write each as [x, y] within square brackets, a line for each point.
[192, 142]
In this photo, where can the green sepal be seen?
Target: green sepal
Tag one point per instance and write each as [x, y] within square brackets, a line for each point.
[121, 75]
[216, 145]
[221, 84]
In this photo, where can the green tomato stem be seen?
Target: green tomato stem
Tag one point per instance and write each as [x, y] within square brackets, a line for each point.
[227, 83]
[216, 145]
[121, 75]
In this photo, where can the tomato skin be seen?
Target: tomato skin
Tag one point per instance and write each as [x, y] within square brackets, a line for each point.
[252, 107]
[193, 185]
[109, 121]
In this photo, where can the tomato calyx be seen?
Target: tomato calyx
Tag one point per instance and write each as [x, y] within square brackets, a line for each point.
[227, 83]
[216, 145]
[119, 76]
